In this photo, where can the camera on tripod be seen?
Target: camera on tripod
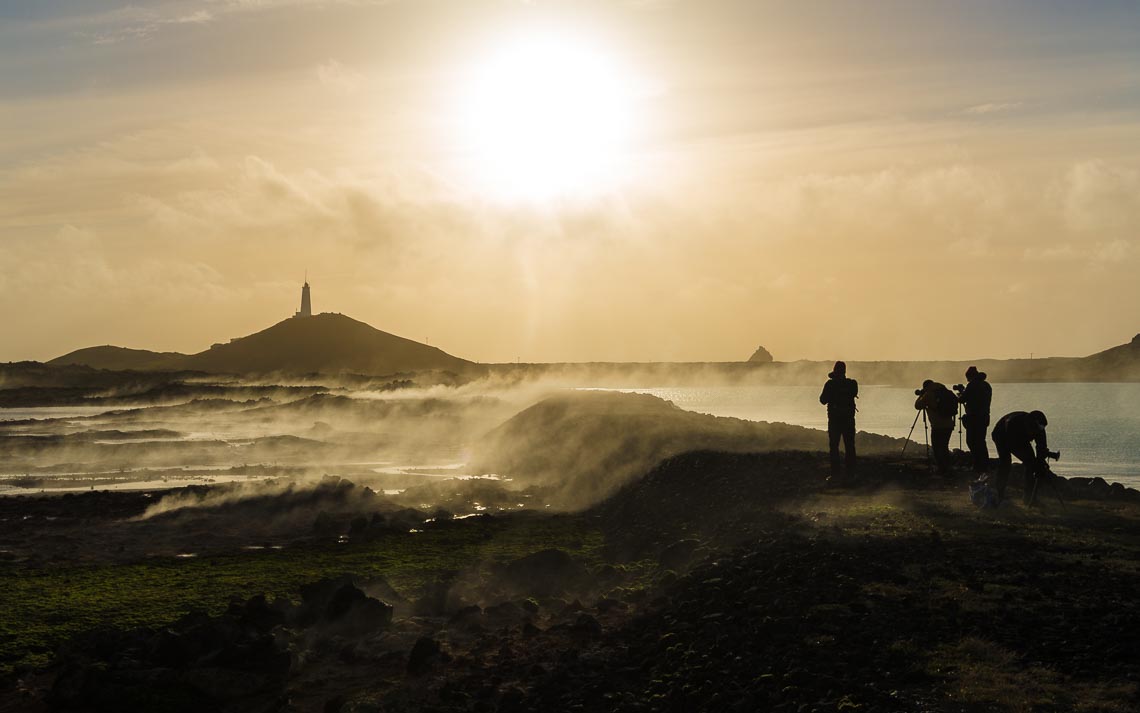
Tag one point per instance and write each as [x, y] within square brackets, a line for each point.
[959, 388]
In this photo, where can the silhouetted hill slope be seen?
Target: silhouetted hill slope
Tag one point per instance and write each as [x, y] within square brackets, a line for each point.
[1122, 363]
[121, 359]
[325, 343]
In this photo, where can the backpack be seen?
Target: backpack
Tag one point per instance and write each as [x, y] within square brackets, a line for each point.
[982, 495]
[945, 402]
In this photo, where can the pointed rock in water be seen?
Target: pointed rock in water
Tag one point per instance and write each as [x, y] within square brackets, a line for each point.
[760, 356]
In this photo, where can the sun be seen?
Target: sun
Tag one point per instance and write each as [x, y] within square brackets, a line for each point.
[547, 116]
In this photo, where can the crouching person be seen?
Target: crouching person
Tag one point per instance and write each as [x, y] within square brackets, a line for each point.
[1022, 434]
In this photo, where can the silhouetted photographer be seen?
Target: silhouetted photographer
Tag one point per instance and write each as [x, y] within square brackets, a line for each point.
[941, 407]
[839, 394]
[1017, 434]
[975, 397]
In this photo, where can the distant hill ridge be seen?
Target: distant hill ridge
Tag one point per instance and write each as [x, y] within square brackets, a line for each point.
[334, 343]
[324, 343]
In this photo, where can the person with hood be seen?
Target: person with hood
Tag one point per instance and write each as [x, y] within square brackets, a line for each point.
[976, 398]
[839, 394]
[1016, 434]
[941, 406]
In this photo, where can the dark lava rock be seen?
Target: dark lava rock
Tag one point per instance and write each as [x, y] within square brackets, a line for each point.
[607, 604]
[425, 654]
[546, 573]
[505, 614]
[257, 613]
[338, 600]
[586, 624]
[436, 600]
[225, 663]
[467, 617]
[679, 554]
[378, 588]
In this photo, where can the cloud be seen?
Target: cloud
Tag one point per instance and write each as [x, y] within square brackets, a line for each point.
[135, 22]
[1102, 201]
[1114, 251]
[992, 108]
[207, 227]
[338, 77]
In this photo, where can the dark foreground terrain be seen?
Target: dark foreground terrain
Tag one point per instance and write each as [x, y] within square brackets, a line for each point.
[719, 582]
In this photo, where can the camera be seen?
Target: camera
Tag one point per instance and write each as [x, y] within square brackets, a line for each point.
[918, 392]
[959, 387]
[1055, 455]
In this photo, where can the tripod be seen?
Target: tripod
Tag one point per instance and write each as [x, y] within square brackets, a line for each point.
[960, 426]
[1042, 472]
[925, 437]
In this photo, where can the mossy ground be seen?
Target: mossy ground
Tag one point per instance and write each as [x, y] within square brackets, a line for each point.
[46, 605]
[897, 596]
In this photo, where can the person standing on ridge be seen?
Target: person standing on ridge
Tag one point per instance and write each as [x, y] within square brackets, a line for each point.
[839, 394]
[1015, 434]
[941, 406]
[976, 396]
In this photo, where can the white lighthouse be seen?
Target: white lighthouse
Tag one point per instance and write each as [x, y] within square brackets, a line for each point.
[306, 305]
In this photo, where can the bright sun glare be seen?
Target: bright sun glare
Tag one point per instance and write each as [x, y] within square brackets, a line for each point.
[548, 116]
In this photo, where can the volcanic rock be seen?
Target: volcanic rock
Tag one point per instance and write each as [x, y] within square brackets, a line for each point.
[546, 573]
[425, 654]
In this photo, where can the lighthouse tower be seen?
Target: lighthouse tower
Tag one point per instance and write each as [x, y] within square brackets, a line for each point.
[306, 306]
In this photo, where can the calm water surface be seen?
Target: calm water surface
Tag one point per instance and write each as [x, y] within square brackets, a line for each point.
[1095, 426]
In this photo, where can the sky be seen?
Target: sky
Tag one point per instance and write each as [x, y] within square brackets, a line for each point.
[647, 180]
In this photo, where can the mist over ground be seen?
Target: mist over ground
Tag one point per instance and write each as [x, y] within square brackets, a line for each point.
[527, 427]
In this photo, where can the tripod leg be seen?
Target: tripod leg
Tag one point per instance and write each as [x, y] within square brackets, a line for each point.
[926, 434]
[1057, 491]
[909, 433]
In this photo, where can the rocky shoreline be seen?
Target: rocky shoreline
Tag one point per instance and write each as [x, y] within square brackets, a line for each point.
[718, 581]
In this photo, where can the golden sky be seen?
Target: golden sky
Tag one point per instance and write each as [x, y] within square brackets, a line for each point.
[574, 181]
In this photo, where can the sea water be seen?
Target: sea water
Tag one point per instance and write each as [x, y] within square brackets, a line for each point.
[1095, 426]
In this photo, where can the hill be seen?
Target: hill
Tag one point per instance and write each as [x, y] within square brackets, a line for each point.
[1120, 363]
[121, 359]
[325, 343]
